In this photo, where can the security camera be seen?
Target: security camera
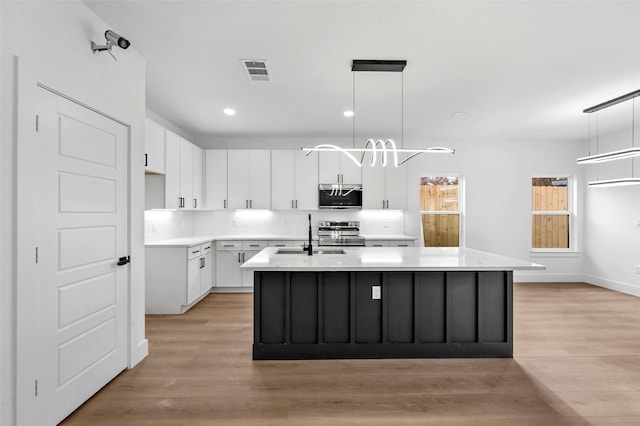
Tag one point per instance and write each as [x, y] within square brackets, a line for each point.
[112, 38]
[115, 38]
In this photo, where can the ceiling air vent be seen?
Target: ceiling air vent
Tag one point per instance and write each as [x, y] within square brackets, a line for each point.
[256, 69]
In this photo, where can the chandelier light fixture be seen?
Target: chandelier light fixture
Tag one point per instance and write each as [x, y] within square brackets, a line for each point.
[383, 148]
[622, 154]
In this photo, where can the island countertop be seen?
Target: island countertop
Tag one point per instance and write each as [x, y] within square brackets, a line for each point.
[388, 259]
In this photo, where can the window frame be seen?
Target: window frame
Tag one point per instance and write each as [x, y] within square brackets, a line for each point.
[570, 212]
[459, 212]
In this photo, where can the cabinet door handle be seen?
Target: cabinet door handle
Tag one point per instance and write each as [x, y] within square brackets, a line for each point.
[243, 256]
[225, 204]
[291, 203]
[250, 204]
[239, 256]
[146, 160]
[296, 204]
[195, 203]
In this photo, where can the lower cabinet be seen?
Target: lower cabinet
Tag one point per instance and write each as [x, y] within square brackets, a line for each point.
[230, 255]
[177, 277]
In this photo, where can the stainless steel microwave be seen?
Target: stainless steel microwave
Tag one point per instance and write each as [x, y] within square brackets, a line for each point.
[339, 196]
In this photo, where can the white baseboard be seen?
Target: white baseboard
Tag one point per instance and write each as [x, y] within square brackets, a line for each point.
[139, 353]
[612, 285]
[545, 277]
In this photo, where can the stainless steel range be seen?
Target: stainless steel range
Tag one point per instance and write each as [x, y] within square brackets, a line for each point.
[336, 233]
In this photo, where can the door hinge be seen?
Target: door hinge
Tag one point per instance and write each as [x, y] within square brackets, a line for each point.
[36, 254]
[37, 123]
[36, 387]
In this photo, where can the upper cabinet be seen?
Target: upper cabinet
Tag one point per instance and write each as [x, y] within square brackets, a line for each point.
[294, 180]
[154, 147]
[248, 172]
[335, 167]
[197, 162]
[215, 180]
[384, 187]
[182, 159]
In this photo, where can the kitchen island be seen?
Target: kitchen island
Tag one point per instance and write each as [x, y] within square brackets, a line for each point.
[371, 302]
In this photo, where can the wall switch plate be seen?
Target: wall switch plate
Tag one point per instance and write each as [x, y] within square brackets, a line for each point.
[375, 292]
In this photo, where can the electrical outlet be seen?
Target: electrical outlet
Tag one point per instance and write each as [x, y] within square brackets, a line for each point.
[637, 269]
[636, 222]
[375, 292]
[235, 223]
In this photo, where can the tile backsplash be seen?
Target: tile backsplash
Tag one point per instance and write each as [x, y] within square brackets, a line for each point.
[163, 224]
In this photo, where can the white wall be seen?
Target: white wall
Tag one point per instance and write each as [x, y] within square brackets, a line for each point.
[612, 241]
[497, 203]
[52, 40]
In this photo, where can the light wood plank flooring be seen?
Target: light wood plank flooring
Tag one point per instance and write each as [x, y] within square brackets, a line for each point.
[576, 361]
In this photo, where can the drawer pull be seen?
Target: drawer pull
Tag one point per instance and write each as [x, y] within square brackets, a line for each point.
[229, 245]
[254, 245]
[195, 251]
[207, 248]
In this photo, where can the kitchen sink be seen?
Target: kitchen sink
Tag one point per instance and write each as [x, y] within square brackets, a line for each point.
[320, 251]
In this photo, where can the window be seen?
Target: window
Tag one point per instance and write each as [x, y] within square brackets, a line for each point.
[440, 211]
[551, 222]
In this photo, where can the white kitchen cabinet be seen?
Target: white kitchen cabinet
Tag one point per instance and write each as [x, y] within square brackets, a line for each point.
[154, 159]
[294, 180]
[197, 176]
[388, 243]
[230, 255]
[172, 198]
[183, 177]
[336, 167]
[177, 277]
[249, 183]
[186, 174]
[289, 243]
[384, 188]
[215, 181]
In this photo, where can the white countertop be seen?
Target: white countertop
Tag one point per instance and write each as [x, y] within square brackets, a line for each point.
[385, 237]
[201, 239]
[388, 259]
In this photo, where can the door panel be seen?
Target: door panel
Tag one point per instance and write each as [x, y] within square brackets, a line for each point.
[81, 295]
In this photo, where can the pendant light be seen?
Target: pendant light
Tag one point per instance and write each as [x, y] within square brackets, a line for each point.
[382, 148]
[622, 154]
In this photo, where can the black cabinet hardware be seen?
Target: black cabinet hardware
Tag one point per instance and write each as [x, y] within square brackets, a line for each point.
[124, 260]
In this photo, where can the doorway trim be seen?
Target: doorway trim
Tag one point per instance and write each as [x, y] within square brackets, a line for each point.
[28, 83]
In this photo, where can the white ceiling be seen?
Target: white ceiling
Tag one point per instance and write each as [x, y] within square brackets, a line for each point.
[520, 70]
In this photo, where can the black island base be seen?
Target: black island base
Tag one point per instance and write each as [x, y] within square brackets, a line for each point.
[388, 314]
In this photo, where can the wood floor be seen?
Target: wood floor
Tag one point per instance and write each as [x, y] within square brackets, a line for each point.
[576, 361]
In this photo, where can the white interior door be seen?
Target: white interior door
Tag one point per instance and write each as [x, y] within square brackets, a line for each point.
[81, 290]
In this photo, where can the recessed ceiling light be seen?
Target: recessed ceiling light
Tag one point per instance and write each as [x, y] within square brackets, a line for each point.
[230, 111]
[348, 113]
[459, 114]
